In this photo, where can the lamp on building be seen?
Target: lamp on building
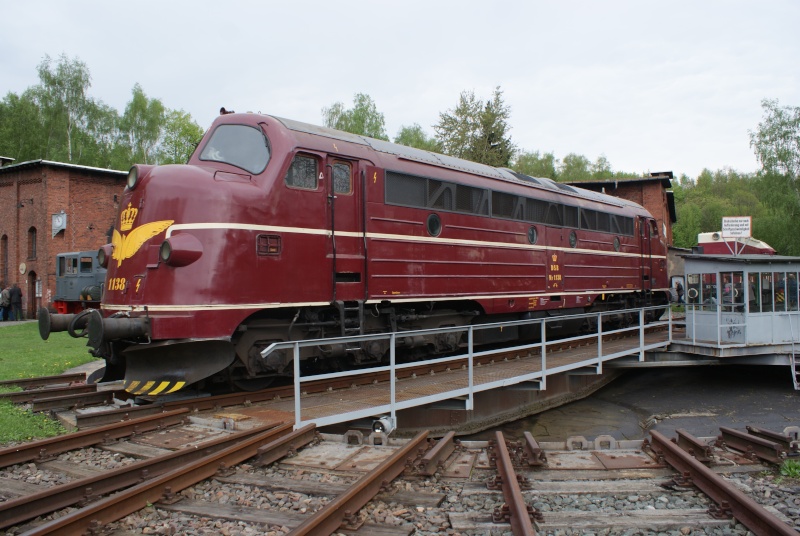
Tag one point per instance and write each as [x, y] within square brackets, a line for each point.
[22, 202]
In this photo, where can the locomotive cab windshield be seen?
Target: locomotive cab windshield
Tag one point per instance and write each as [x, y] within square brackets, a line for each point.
[242, 146]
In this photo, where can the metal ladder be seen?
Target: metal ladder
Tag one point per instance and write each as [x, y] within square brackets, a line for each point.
[351, 316]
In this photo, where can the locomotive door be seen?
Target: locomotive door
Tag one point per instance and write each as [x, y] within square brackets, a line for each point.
[647, 252]
[346, 222]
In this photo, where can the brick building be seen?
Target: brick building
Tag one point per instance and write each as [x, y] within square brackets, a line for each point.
[48, 208]
[651, 192]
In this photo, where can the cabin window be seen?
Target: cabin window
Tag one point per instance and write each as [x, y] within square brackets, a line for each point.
[86, 265]
[733, 292]
[342, 178]
[238, 145]
[303, 173]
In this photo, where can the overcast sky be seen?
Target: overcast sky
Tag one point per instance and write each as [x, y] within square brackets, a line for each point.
[654, 86]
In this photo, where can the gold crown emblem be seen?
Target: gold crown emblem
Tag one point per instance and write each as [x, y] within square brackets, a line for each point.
[127, 218]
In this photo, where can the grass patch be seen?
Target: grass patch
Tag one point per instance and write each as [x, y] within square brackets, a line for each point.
[26, 355]
[791, 468]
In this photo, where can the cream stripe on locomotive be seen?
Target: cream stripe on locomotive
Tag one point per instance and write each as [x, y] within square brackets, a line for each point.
[258, 306]
[404, 238]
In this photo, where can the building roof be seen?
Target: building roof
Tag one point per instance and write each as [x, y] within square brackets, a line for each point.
[744, 259]
[33, 163]
[665, 177]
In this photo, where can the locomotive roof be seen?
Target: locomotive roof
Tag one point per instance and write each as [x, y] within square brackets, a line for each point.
[404, 152]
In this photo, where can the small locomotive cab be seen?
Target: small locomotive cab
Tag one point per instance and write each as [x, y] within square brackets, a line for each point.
[79, 282]
[277, 230]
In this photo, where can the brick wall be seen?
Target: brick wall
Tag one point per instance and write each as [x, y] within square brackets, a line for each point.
[30, 193]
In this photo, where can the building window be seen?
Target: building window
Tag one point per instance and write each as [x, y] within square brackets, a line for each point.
[32, 243]
[4, 259]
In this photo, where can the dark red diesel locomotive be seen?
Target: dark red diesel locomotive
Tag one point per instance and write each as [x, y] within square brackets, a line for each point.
[278, 230]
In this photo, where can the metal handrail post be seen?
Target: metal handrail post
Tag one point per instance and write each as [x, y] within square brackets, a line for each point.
[599, 343]
[641, 335]
[297, 380]
[544, 351]
[393, 377]
[669, 323]
[470, 371]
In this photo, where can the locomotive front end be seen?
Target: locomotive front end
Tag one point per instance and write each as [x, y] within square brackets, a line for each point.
[165, 322]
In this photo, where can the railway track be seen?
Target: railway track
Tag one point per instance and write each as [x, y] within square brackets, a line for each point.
[270, 479]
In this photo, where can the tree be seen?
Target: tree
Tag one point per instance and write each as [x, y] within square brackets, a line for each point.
[414, 136]
[181, 136]
[456, 128]
[62, 95]
[491, 144]
[601, 169]
[363, 118]
[574, 167]
[142, 125]
[536, 165]
[476, 131]
[777, 140]
[21, 128]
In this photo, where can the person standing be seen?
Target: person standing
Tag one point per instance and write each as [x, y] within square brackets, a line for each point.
[15, 296]
[5, 303]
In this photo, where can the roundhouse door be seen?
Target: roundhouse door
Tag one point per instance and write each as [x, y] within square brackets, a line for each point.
[348, 230]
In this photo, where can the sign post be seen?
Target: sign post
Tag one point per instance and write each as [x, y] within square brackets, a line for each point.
[736, 227]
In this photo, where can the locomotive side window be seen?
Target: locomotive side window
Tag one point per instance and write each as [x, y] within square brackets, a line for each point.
[588, 219]
[406, 190]
[570, 216]
[554, 216]
[303, 173]
[503, 204]
[342, 178]
[535, 210]
[472, 200]
[239, 145]
[422, 192]
[440, 194]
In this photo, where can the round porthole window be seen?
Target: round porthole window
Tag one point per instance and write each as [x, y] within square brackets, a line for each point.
[616, 243]
[532, 235]
[573, 239]
[434, 225]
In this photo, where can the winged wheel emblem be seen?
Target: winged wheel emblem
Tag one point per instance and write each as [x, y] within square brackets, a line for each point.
[126, 246]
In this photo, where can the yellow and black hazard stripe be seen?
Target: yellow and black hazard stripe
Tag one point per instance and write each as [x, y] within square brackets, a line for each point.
[138, 387]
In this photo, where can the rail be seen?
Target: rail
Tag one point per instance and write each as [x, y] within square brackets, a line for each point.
[468, 391]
